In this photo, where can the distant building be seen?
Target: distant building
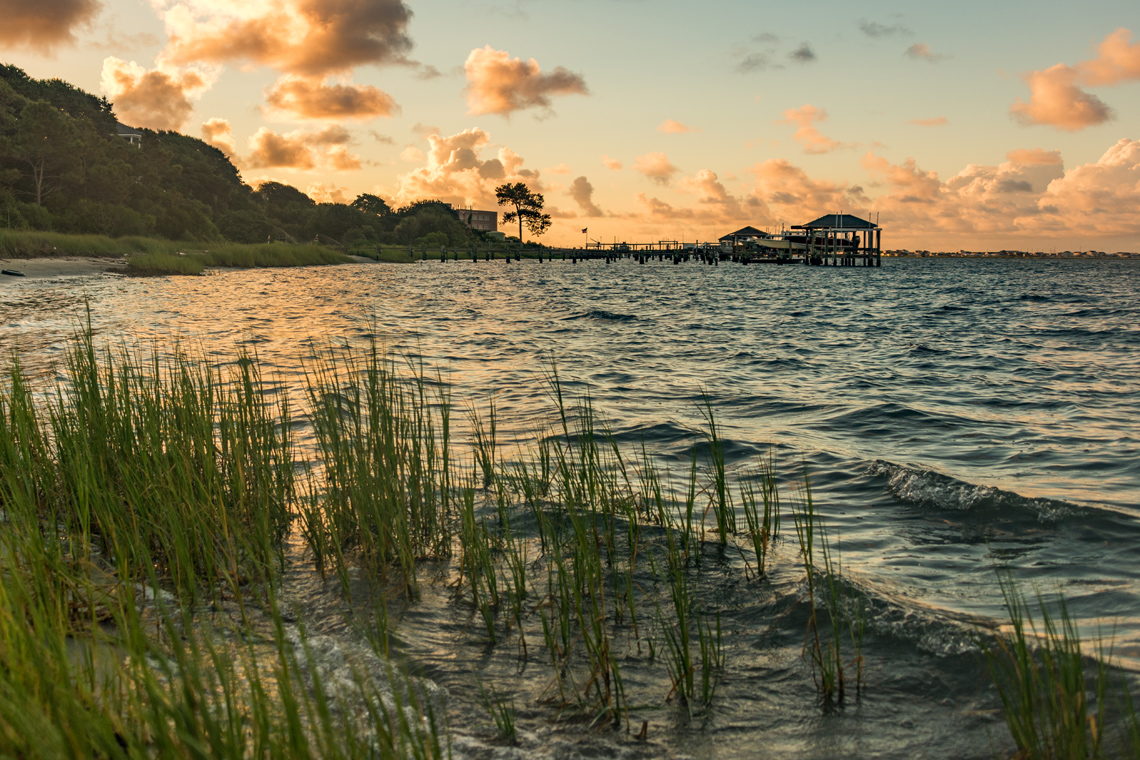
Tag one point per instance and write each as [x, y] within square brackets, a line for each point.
[742, 236]
[130, 134]
[485, 221]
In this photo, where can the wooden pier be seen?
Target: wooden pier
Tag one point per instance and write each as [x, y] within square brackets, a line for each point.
[834, 240]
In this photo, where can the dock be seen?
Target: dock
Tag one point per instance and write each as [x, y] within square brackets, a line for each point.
[833, 240]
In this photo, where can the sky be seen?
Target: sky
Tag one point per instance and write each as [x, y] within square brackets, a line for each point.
[969, 125]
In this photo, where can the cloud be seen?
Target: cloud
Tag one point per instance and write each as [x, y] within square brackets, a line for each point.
[920, 51]
[301, 150]
[306, 37]
[456, 171]
[803, 54]
[314, 99]
[875, 29]
[671, 127]
[611, 163]
[1056, 100]
[1116, 61]
[758, 61]
[499, 84]
[937, 121]
[659, 209]
[1102, 197]
[656, 166]
[156, 99]
[44, 23]
[812, 140]
[219, 133]
[583, 194]
[328, 193]
[794, 194]
[1055, 95]
[717, 204]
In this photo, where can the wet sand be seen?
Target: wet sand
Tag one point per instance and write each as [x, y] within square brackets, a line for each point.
[60, 266]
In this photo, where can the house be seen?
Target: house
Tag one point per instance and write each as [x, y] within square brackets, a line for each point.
[486, 221]
[130, 134]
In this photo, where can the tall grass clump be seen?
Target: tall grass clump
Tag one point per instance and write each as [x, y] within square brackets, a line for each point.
[166, 470]
[272, 255]
[164, 264]
[384, 440]
[143, 472]
[834, 644]
[32, 243]
[1059, 701]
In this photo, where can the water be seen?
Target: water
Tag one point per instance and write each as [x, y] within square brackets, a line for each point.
[955, 418]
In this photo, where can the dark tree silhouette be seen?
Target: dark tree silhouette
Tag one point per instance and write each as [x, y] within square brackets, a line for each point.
[527, 205]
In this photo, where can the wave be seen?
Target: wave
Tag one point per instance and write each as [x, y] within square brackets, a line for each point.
[926, 488]
[602, 314]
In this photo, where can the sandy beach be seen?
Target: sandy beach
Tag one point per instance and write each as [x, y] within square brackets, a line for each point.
[60, 266]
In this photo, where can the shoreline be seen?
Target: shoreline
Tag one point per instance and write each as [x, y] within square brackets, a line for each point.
[39, 267]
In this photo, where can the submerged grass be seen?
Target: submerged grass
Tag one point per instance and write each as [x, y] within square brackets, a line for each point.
[1059, 700]
[150, 487]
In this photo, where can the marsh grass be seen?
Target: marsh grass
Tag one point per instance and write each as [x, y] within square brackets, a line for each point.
[835, 627]
[142, 473]
[31, 243]
[143, 264]
[1059, 700]
[150, 487]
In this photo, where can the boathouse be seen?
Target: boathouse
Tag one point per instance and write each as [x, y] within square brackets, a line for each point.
[740, 237]
[840, 240]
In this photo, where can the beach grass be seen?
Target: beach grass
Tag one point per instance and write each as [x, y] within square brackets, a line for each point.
[148, 499]
[1059, 699]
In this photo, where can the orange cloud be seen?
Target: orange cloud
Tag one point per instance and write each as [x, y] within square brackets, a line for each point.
[43, 23]
[671, 127]
[611, 163]
[583, 194]
[326, 193]
[717, 203]
[155, 99]
[314, 99]
[456, 172]
[301, 150]
[1056, 97]
[217, 132]
[1103, 197]
[788, 188]
[1117, 61]
[806, 134]
[1056, 100]
[499, 84]
[656, 166]
[306, 37]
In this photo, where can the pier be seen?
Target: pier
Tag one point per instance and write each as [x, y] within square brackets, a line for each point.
[836, 240]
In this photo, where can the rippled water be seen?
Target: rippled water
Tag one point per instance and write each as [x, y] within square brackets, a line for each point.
[955, 417]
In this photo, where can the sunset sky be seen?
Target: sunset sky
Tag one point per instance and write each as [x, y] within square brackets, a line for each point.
[960, 125]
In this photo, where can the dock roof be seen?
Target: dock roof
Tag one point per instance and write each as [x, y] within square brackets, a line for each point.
[744, 232]
[837, 222]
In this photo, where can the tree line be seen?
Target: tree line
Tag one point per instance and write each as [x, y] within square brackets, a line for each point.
[64, 168]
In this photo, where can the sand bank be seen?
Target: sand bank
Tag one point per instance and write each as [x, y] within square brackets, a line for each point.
[60, 266]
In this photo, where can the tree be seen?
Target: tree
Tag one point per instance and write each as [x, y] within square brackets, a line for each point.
[371, 204]
[527, 205]
[46, 142]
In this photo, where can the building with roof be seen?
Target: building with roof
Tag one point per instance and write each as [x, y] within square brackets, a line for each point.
[485, 221]
[841, 239]
[130, 134]
[742, 236]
